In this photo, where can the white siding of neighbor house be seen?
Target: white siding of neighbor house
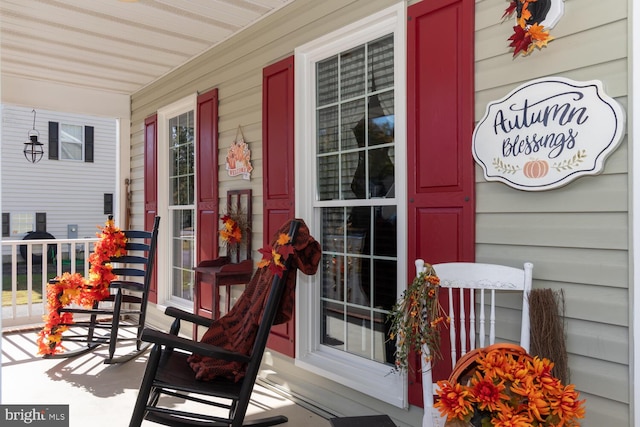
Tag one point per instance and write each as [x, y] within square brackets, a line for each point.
[577, 236]
[70, 192]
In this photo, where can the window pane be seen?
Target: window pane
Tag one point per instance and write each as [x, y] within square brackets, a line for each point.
[71, 142]
[352, 116]
[381, 171]
[352, 73]
[70, 151]
[384, 231]
[183, 254]
[328, 177]
[333, 325]
[358, 324]
[327, 72]
[181, 160]
[327, 130]
[352, 181]
[380, 63]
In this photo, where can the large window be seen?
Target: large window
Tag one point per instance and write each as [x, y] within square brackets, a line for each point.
[355, 169]
[354, 111]
[176, 168]
[181, 204]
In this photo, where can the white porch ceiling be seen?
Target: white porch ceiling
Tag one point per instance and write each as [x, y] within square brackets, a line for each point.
[115, 45]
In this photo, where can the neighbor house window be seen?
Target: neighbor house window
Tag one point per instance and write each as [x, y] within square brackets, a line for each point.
[357, 154]
[22, 223]
[71, 142]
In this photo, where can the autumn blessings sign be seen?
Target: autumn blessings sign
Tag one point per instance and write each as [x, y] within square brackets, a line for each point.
[548, 132]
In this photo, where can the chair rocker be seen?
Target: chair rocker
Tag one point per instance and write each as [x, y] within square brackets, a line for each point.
[128, 299]
[168, 371]
[468, 328]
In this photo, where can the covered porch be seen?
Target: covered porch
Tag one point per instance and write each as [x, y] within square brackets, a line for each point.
[104, 395]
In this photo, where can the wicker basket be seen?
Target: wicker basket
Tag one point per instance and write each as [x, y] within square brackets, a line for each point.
[465, 366]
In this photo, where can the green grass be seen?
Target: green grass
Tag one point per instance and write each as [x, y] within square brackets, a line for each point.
[21, 297]
[36, 293]
[22, 294]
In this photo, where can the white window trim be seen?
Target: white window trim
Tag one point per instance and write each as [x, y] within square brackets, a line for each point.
[366, 376]
[164, 242]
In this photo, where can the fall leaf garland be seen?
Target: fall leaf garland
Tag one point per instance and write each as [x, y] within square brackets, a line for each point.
[76, 289]
[527, 35]
[416, 319]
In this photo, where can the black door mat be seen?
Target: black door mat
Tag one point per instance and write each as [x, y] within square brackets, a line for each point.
[366, 421]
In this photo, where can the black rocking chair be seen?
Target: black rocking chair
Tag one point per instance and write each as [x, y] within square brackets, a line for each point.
[168, 371]
[128, 299]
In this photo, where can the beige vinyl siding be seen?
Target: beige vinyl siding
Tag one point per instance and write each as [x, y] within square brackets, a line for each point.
[576, 236]
[235, 68]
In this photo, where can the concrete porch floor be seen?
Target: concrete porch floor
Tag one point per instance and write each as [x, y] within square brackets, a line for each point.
[104, 395]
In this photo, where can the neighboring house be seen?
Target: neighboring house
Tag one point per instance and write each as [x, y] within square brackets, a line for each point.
[72, 189]
[428, 68]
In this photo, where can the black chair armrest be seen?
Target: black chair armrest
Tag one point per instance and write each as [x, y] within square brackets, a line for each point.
[189, 317]
[203, 349]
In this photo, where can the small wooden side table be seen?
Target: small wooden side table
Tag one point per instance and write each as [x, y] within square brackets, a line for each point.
[211, 275]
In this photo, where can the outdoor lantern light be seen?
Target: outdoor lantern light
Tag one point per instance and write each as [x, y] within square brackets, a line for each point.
[33, 149]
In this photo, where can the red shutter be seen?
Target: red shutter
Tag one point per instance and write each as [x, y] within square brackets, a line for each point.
[278, 167]
[207, 176]
[151, 187]
[440, 125]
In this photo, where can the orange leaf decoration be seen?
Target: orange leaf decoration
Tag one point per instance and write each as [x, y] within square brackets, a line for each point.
[274, 257]
[76, 289]
[527, 34]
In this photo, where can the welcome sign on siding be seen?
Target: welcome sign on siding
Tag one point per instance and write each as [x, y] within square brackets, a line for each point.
[548, 132]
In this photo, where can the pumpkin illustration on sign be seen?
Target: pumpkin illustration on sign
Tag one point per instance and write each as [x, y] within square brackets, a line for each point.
[535, 168]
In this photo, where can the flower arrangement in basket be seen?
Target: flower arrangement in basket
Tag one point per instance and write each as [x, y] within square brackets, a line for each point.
[416, 318]
[503, 386]
[75, 289]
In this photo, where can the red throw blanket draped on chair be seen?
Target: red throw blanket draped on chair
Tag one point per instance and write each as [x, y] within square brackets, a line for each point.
[236, 331]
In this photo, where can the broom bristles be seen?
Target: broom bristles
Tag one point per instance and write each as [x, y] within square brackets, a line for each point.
[546, 313]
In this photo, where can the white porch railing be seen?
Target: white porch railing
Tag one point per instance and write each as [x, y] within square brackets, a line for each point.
[21, 273]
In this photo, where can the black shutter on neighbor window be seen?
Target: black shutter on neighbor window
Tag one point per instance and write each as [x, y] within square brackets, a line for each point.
[41, 221]
[6, 229]
[88, 144]
[53, 140]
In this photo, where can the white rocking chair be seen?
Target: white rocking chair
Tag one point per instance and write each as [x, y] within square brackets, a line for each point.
[468, 326]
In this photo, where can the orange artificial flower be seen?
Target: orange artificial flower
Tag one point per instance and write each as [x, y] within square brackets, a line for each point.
[455, 401]
[510, 390]
[487, 394]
